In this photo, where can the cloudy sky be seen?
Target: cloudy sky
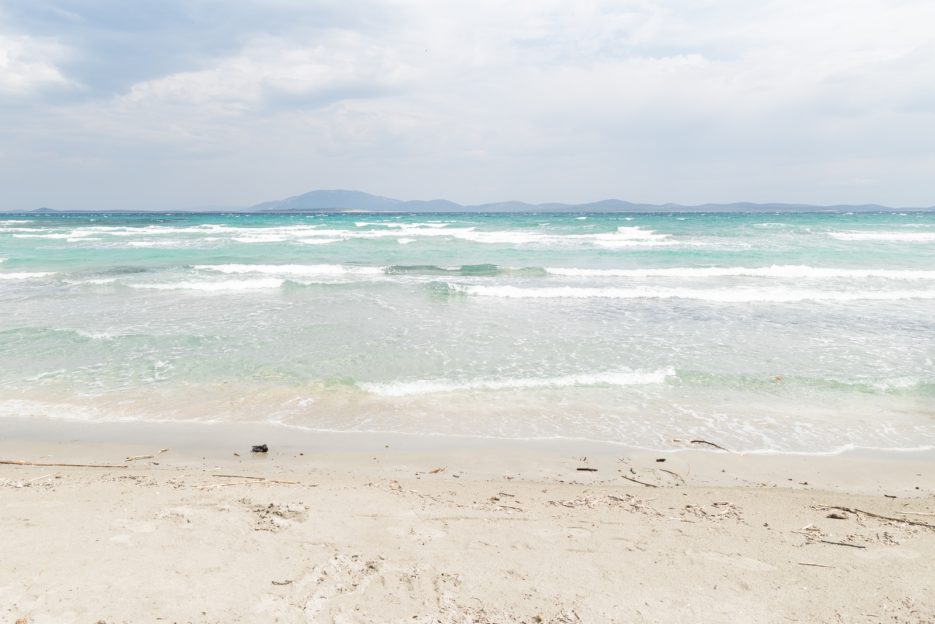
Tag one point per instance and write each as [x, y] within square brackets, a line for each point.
[161, 104]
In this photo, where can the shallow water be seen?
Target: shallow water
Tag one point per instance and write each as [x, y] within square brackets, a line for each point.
[767, 332]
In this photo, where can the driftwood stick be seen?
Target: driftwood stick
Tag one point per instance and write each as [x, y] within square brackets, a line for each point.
[717, 446]
[814, 565]
[856, 511]
[841, 544]
[153, 456]
[674, 474]
[21, 462]
[638, 481]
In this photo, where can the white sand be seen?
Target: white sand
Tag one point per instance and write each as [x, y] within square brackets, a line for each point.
[504, 534]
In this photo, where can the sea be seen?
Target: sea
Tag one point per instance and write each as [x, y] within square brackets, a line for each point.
[763, 333]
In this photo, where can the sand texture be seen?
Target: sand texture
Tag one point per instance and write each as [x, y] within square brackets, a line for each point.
[462, 536]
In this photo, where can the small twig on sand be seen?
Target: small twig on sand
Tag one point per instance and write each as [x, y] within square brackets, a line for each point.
[638, 481]
[917, 513]
[585, 469]
[814, 565]
[20, 462]
[674, 474]
[267, 480]
[153, 456]
[717, 446]
[841, 544]
[856, 511]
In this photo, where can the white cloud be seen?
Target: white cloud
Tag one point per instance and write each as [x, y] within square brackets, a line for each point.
[28, 64]
[539, 99]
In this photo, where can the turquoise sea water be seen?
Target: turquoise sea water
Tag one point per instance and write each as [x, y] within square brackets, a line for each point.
[765, 332]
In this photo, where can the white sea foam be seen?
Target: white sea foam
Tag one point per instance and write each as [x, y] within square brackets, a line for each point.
[613, 378]
[96, 281]
[224, 285]
[902, 237]
[776, 271]
[23, 276]
[53, 235]
[723, 295]
[622, 237]
[292, 269]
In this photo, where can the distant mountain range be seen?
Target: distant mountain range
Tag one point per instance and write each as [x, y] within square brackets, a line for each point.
[357, 201]
[338, 200]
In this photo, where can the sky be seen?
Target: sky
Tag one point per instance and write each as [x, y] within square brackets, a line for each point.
[170, 104]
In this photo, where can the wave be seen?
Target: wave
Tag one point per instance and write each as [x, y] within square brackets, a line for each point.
[224, 285]
[23, 276]
[292, 269]
[53, 235]
[423, 386]
[902, 237]
[777, 271]
[622, 237]
[721, 295]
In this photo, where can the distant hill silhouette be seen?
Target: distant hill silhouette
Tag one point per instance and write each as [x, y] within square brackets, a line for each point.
[343, 201]
[357, 201]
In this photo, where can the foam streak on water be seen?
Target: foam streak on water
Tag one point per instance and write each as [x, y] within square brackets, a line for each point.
[767, 333]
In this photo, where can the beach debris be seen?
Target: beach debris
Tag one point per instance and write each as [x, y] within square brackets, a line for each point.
[719, 510]
[711, 444]
[836, 516]
[814, 565]
[660, 459]
[274, 517]
[259, 448]
[586, 469]
[858, 512]
[153, 456]
[840, 543]
[263, 479]
[281, 582]
[21, 462]
[627, 501]
[638, 481]
[674, 474]
[438, 470]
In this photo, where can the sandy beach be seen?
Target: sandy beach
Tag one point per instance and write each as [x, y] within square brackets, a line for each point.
[368, 528]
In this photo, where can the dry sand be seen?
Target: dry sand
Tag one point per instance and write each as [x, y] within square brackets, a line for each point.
[500, 533]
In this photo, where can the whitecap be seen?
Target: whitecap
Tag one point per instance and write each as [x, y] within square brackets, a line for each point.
[292, 269]
[902, 237]
[23, 276]
[225, 285]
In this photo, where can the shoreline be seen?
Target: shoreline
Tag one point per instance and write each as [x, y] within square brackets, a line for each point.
[214, 435]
